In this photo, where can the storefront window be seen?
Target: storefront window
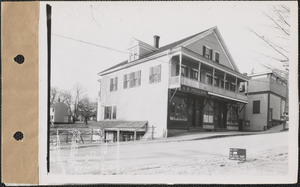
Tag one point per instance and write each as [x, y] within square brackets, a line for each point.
[179, 109]
[232, 116]
[208, 112]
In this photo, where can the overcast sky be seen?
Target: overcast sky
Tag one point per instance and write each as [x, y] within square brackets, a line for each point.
[112, 24]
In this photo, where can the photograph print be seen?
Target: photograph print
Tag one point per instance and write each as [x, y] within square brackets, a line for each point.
[169, 88]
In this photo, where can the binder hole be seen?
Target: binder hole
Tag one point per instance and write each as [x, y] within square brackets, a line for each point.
[19, 59]
[18, 135]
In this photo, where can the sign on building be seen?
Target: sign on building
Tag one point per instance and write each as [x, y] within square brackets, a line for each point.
[193, 90]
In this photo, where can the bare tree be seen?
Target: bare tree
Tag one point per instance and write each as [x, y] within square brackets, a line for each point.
[65, 96]
[79, 94]
[277, 40]
[54, 92]
[87, 109]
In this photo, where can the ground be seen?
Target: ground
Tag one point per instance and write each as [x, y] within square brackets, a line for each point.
[267, 154]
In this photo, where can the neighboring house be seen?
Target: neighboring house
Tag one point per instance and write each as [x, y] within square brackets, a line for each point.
[267, 100]
[60, 113]
[191, 84]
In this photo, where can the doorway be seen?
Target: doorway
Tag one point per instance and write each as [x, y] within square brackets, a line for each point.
[198, 119]
[220, 114]
[270, 121]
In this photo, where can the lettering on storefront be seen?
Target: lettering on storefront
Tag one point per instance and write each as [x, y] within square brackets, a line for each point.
[193, 90]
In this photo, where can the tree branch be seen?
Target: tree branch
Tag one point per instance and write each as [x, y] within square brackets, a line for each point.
[270, 44]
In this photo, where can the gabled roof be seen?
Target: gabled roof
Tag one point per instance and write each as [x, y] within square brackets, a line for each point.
[177, 44]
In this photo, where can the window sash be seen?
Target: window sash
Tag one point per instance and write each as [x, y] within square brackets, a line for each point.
[256, 107]
[217, 57]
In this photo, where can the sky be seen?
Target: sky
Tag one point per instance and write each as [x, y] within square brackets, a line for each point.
[89, 37]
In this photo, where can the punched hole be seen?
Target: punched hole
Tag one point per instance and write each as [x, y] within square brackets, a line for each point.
[19, 59]
[18, 136]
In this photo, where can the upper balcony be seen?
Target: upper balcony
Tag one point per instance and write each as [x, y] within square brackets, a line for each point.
[214, 81]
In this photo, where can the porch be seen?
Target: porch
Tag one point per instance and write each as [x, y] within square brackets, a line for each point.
[209, 76]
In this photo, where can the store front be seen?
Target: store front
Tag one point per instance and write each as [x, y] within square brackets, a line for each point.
[199, 110]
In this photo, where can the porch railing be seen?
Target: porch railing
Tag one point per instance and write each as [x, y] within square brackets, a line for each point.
[175, 83]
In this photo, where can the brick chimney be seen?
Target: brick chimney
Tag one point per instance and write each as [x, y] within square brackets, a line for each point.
[156, 41]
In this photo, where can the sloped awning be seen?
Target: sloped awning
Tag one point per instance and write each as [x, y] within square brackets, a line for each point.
[140, 126]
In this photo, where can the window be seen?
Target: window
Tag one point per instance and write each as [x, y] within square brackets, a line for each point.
[107, 112]
[208, 79]
[217, 82]
[132, 79]
[194, 74]
[137, 78]
[126, 81]
[110, 112]
[114, 114]
[183, 71]
[217, 57]
[256, 107]
[113, 84]
[208, 111]
[155, 74]
[226, 85]
[222, 83]
[232, 87]
[232, 115]
[179, 109]
[207, 52]
[133, 54]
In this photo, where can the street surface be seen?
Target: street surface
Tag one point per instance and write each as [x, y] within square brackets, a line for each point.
[267, 154]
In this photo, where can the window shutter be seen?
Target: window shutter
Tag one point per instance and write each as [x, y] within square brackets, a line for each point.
[139, 77]
[204, 51]
[111, 84]
[116, 83]
[150, 74]
[159, 73]
[217, 56]
[211, 54]
[125, 81]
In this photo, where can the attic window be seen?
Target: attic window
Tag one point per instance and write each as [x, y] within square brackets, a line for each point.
[217, 57]
[207, 52]
[133, 54]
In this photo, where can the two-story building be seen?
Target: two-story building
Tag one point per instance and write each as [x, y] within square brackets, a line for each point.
[191, 84]
[267, 101]
[60, 113]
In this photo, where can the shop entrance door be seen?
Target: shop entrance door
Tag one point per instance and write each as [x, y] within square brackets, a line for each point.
[219, 114]
[199, 112]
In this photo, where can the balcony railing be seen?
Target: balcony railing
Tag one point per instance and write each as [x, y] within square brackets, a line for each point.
[175, 83]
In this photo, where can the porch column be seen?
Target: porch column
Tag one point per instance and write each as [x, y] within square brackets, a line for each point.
[180, 63]
[224, 79]
[199, 71]
[134, 135]
[118, 135]
[213, 77]
[236, 86]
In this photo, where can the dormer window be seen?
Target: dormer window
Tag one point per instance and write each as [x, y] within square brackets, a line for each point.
[133, 54]
[207, 52]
